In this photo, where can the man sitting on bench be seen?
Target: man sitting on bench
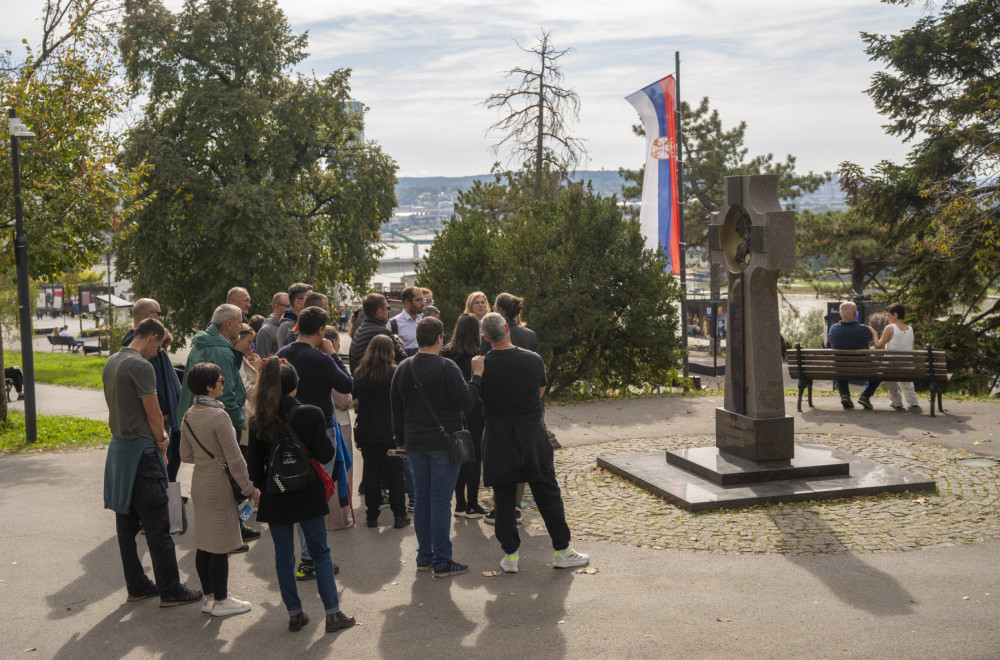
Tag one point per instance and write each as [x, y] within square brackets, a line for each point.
[849, 334]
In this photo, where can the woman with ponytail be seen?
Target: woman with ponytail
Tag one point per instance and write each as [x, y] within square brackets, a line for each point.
[274, 403]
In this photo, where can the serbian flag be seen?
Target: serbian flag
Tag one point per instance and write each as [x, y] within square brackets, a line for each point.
[659, 218]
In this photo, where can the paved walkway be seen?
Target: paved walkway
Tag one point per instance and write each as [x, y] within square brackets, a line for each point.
[899, 577]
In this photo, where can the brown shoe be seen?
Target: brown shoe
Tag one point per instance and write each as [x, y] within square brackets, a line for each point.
[296, 621]
[338, 621]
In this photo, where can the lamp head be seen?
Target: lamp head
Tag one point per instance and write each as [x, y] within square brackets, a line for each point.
[19, 130]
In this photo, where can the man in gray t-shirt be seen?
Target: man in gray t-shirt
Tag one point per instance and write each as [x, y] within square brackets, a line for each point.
[128, 379]
[135, 471]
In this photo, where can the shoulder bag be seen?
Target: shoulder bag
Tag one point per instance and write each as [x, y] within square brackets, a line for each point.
[237, 490]
[460, 447]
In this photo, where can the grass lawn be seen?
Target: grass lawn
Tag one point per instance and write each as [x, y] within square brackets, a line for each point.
[63, 368]
[54, 432]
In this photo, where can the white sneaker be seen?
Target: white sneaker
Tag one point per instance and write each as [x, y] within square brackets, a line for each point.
[230, 606]
[509, 563]
[569, 558]
[207, 603]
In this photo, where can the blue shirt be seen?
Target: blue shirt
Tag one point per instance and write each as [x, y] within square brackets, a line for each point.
[850, 335]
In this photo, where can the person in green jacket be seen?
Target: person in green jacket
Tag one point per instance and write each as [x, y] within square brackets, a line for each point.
[215, 345]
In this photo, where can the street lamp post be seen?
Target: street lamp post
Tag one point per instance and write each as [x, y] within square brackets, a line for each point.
[19, 131]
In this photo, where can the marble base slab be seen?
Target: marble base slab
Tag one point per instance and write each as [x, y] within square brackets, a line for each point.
[726, 469]
[651, 471]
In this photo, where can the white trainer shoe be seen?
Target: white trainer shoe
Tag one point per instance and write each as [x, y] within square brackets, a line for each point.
[230, 606]
[570, 558]
[207, 603]
[509, 563]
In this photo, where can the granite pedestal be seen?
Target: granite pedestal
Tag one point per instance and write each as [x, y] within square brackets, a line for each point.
[750, 483]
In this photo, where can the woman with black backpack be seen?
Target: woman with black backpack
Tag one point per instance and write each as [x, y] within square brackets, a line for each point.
[284, 504]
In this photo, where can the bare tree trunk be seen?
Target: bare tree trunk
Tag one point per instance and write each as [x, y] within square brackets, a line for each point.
[541, 123]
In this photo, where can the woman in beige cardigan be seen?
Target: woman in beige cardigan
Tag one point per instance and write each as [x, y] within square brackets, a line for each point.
[207, 429]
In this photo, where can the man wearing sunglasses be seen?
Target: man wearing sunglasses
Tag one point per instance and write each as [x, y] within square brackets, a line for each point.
[168, 386]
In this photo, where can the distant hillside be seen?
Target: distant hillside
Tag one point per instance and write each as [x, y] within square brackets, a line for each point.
[605, 182]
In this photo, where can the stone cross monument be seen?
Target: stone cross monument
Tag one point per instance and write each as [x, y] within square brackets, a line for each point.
[754, 239]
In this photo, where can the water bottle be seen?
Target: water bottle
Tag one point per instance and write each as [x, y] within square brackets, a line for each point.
[246, 509]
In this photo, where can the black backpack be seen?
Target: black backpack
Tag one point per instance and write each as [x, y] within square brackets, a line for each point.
[289, 468]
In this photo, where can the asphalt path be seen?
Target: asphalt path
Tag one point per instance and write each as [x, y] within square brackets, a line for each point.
[62, 593]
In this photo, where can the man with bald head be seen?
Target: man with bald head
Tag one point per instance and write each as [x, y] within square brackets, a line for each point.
[241, 298]
[168, 387]
[849, 334]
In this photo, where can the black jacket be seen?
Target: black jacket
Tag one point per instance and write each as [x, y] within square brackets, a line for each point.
[309, 424]
[363, 336]
[413, 424]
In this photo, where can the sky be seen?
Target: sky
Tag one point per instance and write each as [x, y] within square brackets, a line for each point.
[794, 70]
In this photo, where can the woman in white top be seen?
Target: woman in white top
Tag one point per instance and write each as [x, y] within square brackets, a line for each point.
[897, 336]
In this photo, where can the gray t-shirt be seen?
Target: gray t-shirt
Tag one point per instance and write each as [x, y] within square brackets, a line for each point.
[128, 377]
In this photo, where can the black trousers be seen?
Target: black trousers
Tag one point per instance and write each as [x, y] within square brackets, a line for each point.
[549, 501]
[470, 474]
[381, 471]
[149, 509]
[213, 571]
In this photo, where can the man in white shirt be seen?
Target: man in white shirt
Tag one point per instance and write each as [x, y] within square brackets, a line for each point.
[404, 324]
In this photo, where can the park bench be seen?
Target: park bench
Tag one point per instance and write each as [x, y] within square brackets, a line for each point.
[102, 345]
[926, 366]
[66, 342]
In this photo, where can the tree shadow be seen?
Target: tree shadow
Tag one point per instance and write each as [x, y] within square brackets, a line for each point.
[846, 575]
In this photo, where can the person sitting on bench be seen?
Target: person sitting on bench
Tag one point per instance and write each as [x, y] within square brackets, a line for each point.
[14, 373]
[849, 334]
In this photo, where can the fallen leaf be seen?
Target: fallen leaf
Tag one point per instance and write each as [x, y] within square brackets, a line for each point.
[13, 563]
[560, 621]
[965, 598]
[694, 538]
[30, 650]
[587, 570]
[491, 573]
[920, 500]
[976, 442]
[912, 601]
[721, 619]
[396, 582]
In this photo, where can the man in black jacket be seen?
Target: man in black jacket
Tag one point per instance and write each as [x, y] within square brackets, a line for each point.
[376, 310]
[443, 394]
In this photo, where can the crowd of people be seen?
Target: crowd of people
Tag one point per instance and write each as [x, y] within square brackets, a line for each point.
[262, 409]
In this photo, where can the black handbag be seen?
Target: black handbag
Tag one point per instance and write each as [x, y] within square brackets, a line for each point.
[237, 491]
[460, 447]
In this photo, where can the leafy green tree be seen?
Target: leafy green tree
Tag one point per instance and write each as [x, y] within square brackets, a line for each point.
[535, 114]
[66, 88]
[257, 178]
[939, 89]
[711, 153]
[835, 243]
[600, 303]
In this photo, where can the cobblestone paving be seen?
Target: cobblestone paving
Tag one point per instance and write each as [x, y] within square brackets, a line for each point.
[600, 505]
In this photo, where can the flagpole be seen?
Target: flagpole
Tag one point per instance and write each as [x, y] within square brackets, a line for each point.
[680, 205]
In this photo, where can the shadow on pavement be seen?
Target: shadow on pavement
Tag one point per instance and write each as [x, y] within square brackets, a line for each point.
[845, 574]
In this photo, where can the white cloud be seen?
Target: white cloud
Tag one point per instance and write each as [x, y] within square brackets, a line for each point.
[794, 71]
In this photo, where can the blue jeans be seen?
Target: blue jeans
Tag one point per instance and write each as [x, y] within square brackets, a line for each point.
[330, 433]
[284, 563]
[844, 387]
[433, 487]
